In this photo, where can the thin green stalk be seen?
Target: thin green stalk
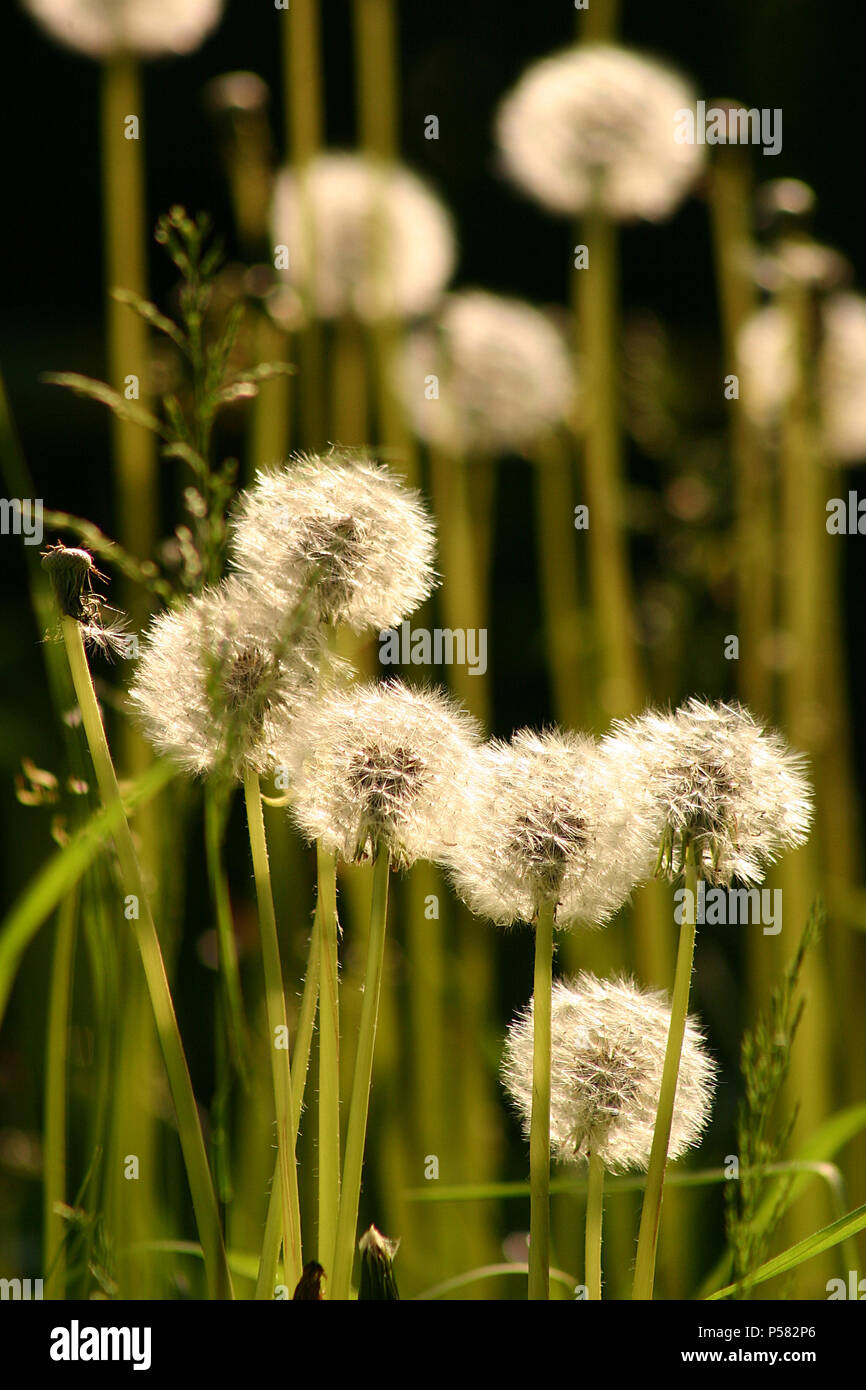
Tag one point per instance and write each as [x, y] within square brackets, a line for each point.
[189, 1127]
[651, 1211]
[539, 1125]
[56, 1061]
[215, 821]
[278, 1030]
[329, 1059]
[376, 73]
[557, 561]
[356, 1133]
[461, 594]
[594, 1212]
[597, 321]
[300, 1067]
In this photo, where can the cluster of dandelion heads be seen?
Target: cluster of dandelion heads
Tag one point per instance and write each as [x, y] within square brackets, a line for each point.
[767, 353]
[608, 1041]
[594, 126]
[716, 779]
[547, 823]
[379, 768]
[216, 678]
[147, 28]
[364, 237]
[504, 375]
[339, 533]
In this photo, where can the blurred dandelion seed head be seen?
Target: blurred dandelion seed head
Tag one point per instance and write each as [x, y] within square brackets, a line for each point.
[504, 374]
[147, 28]
[215, 676]
[767, 361]
[608, 1041]
[595, 125]
[379, 767]
[717, 779]
[364, 237]
[342, 531]
[546, 823]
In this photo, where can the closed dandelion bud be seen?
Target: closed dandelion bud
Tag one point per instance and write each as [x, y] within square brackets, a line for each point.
[767, 361]
[377, 1268]
[339, 533]
[608, 1041]
[146, 28]
[594, 126]
[216, 675]
[363, 237]
[545, 822]
[504, 375]
[379, 768]
[719, 781]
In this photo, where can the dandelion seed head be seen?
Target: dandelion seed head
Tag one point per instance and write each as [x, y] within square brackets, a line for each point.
[379, 767]
[545, 823]
[215, 679]
[503, 370]
[149, 28]
[340, 532]
[767, 359]
[715, 777]
[608, 1041]
[596, 124]
[364, 237]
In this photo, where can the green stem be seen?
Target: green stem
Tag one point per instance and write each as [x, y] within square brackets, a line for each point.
[189, 1127]
[215, 820]
[54, 1143]
[300, 1068]
[539, 1131]
[594, 1210]
[557, 560]
[329, 1059]
[278, 1030]
[350, 1194]
[651, 1211]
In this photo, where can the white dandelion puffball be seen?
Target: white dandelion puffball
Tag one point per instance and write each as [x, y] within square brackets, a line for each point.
[341, 530]
[216, 676]
[148, 28]
[596, 124]
[767, 363]
[608, 1041]
[503, 372]
[716, 778]
[379, 767]
[546, 823]
[363, 237]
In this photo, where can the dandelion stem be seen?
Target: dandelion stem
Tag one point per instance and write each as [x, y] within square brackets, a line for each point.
[539, 1130]
[278, 1030]
[189, 1127]
[350, 1194]
[329, 1059]
[594, 1211]
[651, 1211]
[215, 819]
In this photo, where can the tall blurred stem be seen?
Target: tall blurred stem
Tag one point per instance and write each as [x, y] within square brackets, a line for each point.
[644, 1275]
[594, 1213]
[56, 1096]
[329, 1059]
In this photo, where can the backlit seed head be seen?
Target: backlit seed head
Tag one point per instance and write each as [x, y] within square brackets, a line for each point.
[216, 675]
[715, 778]
[379, 767]
[503, 371]
[364, 237]
[545, 823]
[767, 360]
[148, 28]
[594, 126]
[339, 533]
[608, 1041]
